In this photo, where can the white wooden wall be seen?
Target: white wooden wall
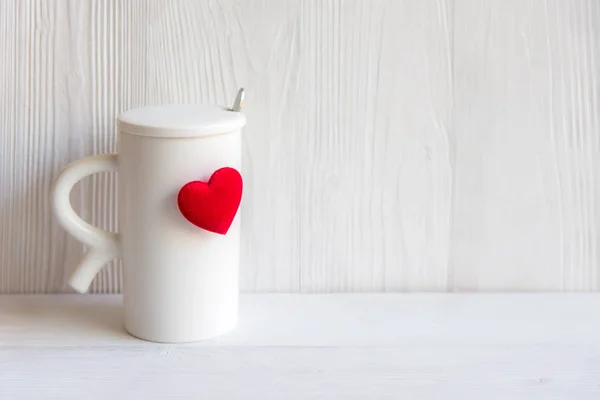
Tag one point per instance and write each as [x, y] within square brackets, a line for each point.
[391, 145]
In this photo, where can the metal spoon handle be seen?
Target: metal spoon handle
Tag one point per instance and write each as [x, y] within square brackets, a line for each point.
[239, 101]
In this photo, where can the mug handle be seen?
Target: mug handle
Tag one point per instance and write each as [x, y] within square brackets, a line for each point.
[104, 246]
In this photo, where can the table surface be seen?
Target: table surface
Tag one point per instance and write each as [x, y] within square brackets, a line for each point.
[317, 346]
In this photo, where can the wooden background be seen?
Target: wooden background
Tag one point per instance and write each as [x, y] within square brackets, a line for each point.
[392, 145]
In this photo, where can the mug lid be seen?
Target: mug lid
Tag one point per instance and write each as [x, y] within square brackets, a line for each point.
[180, 121]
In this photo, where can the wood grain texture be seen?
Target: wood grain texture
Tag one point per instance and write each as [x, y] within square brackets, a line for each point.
[526, 147]
[348, 171]
[324, 346]
[391, 145]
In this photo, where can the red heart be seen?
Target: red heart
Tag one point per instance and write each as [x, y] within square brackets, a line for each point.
[212, 205]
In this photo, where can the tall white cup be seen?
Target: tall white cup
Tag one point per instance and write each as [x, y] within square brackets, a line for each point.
[180, 282]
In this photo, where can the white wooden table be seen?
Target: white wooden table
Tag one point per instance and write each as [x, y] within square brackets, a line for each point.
[341, 346]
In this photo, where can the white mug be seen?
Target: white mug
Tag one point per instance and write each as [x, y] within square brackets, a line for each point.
[180, 282]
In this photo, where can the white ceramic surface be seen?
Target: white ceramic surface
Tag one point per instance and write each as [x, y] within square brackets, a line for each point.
[180, 282]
